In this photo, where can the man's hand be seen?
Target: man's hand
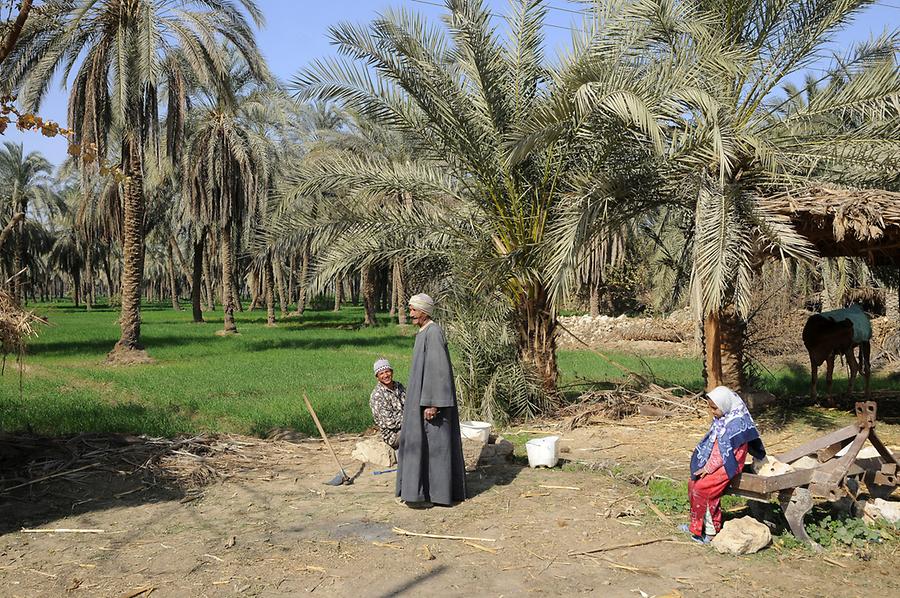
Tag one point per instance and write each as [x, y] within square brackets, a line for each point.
[430, 413]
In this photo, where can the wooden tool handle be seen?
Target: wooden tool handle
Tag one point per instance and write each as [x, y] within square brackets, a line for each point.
[322, 432]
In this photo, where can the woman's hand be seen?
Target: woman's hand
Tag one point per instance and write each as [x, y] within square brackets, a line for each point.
[700, 474]
[430, 413]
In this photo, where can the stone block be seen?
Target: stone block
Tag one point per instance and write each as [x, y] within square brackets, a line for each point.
[805, 463]
[742, 536]
[770, 466]
[374, 451]
[880, 509]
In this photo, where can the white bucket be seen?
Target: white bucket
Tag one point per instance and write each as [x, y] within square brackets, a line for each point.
[543, 451]
[475, 430]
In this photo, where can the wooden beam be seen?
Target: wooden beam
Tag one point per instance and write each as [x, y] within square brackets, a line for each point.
[757, 484]
[811, 447]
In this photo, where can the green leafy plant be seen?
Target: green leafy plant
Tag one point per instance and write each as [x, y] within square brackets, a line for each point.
[669, 496]
[848, 532]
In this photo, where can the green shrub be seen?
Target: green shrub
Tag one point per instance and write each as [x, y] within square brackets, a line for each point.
[843, 531]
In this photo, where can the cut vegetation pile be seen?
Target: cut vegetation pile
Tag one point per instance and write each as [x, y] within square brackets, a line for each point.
[31, 465]
[639, 398]
[598, 330]
[16, 326]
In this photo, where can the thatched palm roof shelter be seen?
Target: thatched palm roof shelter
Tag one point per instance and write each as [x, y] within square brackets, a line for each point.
[844, 222]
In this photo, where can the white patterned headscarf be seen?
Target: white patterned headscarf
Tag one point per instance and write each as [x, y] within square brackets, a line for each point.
[725, 399]
[735, 428]
[422, 302]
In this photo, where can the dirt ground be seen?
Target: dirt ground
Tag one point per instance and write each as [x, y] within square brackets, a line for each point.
[269, 527]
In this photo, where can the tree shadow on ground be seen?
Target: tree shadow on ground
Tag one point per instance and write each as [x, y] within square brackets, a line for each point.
[408, 586]
[46, 479]
[313, 344]
[98, 348]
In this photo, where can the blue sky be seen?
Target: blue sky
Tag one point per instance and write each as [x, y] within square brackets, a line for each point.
[296, 33]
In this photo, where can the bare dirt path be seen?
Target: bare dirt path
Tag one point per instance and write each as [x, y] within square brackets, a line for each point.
[271, 528]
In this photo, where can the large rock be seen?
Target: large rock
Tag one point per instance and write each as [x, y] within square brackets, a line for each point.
[805, 463]
[374, 451]
[742, 536]
[882, 509]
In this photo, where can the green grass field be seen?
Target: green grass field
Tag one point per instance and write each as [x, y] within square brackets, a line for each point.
[246, 384]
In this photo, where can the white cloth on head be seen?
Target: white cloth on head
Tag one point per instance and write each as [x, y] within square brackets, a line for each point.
[422, 302]
[382, 365]
[724, 398]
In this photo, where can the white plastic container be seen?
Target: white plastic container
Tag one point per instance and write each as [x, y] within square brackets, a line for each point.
[543, 451]
[475, 430]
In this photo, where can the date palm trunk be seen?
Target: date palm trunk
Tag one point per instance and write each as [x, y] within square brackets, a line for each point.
[338, 293]
[535, 323]
[208, 278]
[228, 290]
[279, 282]
[132, 249]
[723, 349]
[400, 291]
[76, 287]
[107, 271]
[292, 264]
[19, 258]
[301, 283]
[367, 285]
[197, 279]
[254, 283]
[89, 275]
[269, 282]
[173, 281]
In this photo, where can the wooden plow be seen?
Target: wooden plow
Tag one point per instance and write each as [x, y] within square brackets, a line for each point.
[834, 478]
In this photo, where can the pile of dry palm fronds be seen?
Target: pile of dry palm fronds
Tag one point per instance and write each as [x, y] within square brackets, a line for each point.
[863, 213]
[885, 341]
[632, 399]
[30, 464]
[16, 327]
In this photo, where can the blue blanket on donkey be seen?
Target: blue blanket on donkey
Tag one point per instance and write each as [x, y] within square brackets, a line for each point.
[862, 328]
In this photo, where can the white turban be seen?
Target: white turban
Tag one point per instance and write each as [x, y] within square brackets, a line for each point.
[382, 365]
[422, 302]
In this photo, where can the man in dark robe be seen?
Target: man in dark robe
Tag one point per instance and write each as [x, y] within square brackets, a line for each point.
[430, 467]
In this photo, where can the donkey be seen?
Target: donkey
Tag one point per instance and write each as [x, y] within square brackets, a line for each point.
[829, 334]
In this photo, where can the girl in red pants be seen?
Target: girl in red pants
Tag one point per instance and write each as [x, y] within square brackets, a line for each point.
[718, 458]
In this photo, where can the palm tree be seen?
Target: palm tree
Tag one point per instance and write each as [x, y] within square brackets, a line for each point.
[460, 104]
[735, 143]
[226, 168]
[21, 177]
[731, 138]
[126, 54]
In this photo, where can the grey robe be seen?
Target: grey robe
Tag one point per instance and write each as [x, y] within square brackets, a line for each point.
[430, 463]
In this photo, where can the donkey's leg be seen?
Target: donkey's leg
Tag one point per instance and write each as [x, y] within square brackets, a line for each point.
[853, 365]
[829, 372]
[865, 363]
[813, 377]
